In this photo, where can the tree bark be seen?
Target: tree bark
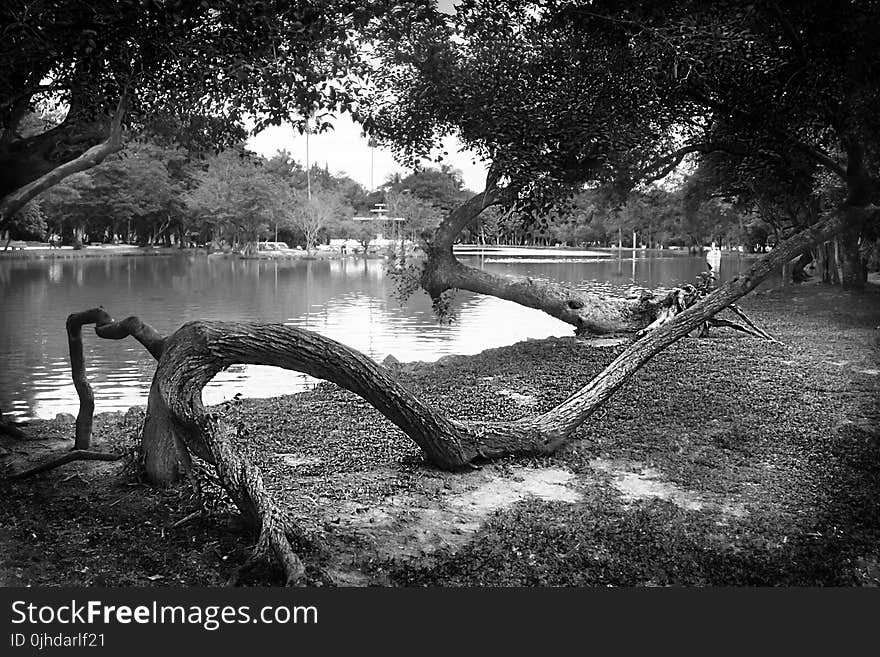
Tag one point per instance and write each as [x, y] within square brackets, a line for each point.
[798, 270]
[853, 268]
[588, 312]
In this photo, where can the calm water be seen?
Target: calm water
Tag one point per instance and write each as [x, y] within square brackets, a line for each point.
[349, 300]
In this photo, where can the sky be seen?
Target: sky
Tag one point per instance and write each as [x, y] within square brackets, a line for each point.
[344, 150]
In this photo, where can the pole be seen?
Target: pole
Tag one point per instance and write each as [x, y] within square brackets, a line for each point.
[308, 166]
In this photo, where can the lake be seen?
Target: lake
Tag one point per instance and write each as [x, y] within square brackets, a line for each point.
[350, 300]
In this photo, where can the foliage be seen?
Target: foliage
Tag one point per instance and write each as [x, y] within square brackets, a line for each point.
[316, 213]
[28, 223]
[235, 199]
[362, 232]
[406, 278]
[557, 95]
[195, 70]
[421, 216]
[523, 92]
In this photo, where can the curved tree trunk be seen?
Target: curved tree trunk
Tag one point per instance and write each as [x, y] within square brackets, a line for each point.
[588, 312]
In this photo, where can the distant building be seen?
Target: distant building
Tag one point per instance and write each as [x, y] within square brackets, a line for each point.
[384, 224]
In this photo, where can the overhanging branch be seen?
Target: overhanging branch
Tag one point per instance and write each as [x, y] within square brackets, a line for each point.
[15, 201]
[663, 166]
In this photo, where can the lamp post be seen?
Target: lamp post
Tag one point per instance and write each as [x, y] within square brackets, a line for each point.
[308, 165]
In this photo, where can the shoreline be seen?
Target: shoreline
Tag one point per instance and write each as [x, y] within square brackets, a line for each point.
[68, 253]
[104, 251]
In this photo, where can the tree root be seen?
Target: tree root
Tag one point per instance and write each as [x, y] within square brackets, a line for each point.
[244, 483]
[69, 457]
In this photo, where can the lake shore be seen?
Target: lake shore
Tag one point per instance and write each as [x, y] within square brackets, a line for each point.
[110, 251]
[725, 461]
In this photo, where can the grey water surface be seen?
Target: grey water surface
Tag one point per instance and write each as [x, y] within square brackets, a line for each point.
[351, 300]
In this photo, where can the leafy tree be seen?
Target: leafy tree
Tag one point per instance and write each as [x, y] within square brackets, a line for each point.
[198, 66]
[314, 215]
[441, 188]
[363, 232]
[565, 94]
[28, 223]
[422, 217]
[236, 199]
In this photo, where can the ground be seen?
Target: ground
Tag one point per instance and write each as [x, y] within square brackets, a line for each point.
[725, 461]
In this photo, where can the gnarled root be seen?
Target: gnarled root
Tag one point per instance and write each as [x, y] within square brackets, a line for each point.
[69, 457]
[244, 483]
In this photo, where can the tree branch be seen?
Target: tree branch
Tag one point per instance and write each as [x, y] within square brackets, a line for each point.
[15, 201]
[669, 162]
[69, 457]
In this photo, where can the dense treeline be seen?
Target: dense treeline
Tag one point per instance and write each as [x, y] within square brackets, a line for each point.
[161, 194]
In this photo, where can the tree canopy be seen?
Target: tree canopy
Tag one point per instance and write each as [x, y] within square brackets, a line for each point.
[199, 67]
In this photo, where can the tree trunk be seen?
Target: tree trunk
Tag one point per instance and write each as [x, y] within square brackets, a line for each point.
[588, 312]
[853, 268]
[798, 270]
[163, 451]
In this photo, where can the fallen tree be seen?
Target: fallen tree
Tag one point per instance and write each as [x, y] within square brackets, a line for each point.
[178, 426]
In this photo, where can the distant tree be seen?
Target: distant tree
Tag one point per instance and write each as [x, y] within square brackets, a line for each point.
[363, 232]
[28, 223]
[236, 199]
[441, 188]
[200, 66]
[421, 216]
[316, 214]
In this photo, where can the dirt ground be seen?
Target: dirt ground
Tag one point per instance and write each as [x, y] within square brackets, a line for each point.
[726, 461]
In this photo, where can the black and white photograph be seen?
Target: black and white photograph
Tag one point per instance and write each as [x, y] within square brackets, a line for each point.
[471, 294]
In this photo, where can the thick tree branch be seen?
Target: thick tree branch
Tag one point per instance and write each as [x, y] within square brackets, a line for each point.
[16, 200]
[587, 311]
[105, 327]
[663, 166]
[465, 214]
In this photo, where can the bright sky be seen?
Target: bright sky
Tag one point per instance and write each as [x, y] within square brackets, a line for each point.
[344, 150]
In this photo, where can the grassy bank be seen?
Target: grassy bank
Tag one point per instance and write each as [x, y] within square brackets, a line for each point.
[725, 461]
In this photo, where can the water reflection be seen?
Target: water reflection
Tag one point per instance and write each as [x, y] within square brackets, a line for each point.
[349, 300]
